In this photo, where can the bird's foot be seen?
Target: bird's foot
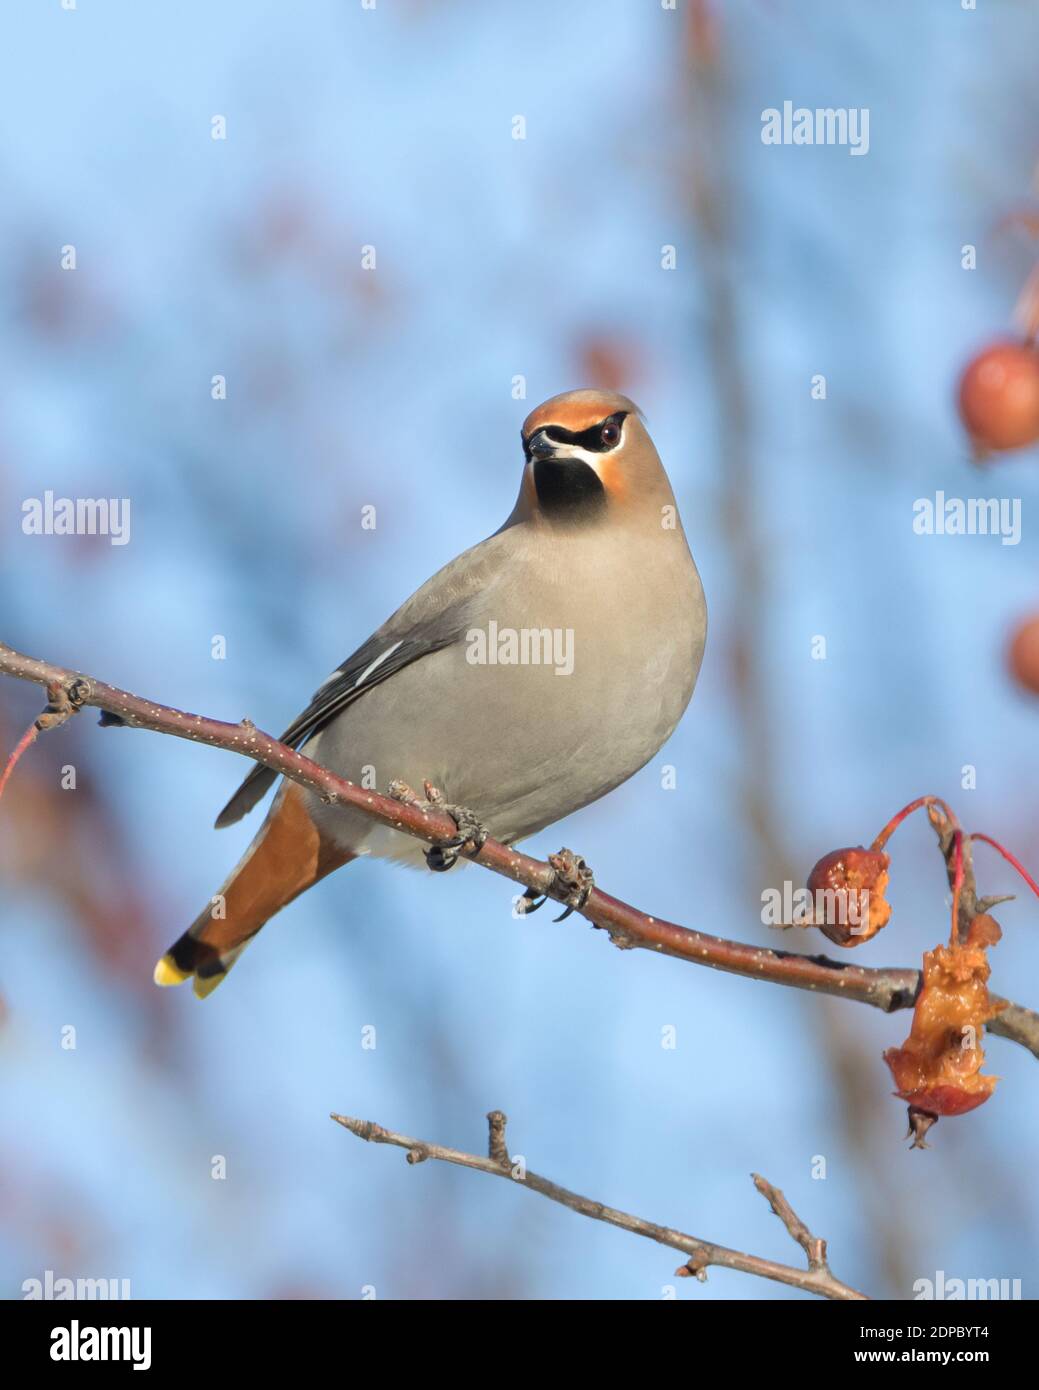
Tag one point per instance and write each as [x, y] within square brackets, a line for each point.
[573, 875]
[471, 831]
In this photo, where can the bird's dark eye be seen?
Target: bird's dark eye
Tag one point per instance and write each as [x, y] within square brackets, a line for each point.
[610, 433]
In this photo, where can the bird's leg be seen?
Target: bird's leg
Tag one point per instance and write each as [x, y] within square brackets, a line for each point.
[471, 832]
[573, 875]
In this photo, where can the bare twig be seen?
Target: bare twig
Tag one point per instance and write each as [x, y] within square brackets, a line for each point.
[813, 1246]
[702, 1254]
[888, 989]
[62, 703]
[26, 740]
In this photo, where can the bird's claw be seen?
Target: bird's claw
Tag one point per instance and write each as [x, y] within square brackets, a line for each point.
[573, 875]
[471, 832]
[470, 838]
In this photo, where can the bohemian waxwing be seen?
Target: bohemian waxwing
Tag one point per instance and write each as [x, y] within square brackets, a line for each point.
[527, 678]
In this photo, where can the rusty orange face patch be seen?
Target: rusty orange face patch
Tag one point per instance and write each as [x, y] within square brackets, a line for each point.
[576, 410]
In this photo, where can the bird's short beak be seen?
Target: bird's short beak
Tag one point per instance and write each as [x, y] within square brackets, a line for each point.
[539, 446]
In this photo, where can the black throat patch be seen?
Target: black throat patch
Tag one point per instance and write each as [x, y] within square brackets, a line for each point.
[569, 489]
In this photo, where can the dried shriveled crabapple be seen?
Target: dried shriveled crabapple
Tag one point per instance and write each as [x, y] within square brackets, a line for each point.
[937, 1070]
[837, 885]
[999, 396]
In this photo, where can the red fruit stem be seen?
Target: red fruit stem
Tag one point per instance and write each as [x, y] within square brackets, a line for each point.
[897, 820]
[988, 840]
[23, 743]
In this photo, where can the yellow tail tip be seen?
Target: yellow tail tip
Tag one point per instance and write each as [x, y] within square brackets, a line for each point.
[166, 973]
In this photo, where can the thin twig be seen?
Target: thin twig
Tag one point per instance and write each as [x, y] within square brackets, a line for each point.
[888, 989]
[813, 1246]
[702, 1254]
[28, 738]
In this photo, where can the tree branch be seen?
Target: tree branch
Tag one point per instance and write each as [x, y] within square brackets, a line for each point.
[816, 1279]
[888, 989]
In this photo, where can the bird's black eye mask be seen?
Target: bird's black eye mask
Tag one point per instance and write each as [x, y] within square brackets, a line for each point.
[590, 439]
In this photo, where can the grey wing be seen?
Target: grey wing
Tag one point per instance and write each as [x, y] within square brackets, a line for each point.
[434, 617]
[376, 661]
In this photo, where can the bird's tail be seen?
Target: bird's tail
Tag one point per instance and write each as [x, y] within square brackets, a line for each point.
[287, 856]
